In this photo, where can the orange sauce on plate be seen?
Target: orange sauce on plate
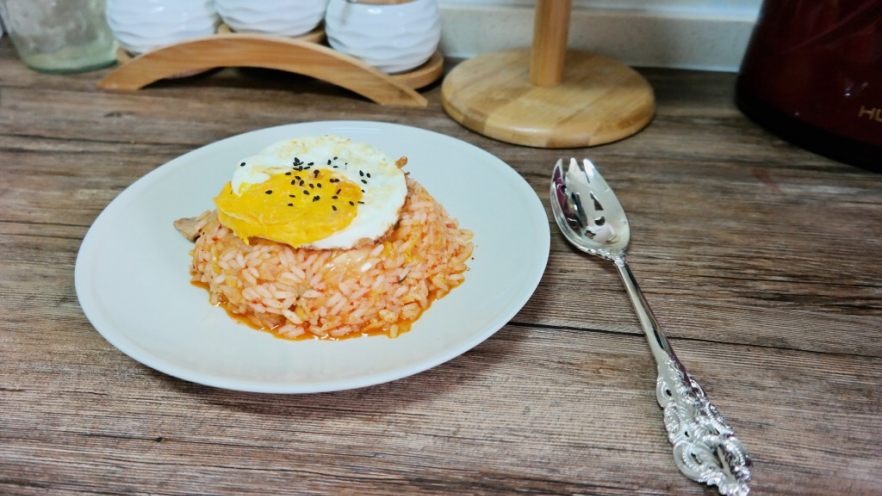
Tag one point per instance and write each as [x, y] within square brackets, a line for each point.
[403, 325]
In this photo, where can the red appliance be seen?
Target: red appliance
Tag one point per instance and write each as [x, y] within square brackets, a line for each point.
[813, 75]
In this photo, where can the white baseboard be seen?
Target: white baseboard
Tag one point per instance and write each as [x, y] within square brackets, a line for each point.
[706, 41]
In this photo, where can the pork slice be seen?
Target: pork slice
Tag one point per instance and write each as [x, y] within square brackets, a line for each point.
[191, 227]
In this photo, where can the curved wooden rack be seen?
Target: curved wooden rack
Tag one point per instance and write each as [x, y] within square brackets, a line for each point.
[261, 51]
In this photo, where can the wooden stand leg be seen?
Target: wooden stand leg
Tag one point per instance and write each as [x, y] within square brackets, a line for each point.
[550, 29]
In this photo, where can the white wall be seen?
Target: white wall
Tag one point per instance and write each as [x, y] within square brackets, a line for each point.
[692, 34]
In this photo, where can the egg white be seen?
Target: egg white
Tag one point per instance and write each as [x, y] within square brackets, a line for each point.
[383, 183]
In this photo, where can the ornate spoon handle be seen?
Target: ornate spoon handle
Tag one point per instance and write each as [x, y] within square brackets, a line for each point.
[705, 447]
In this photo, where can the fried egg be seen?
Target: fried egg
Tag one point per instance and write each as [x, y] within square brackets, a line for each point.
[320, 192]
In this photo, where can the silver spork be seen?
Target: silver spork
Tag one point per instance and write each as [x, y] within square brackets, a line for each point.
[705, 448]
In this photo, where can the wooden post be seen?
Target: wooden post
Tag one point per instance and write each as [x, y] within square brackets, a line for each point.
[550, 29]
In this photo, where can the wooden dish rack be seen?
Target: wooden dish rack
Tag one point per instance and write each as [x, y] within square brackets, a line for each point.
[306, 55]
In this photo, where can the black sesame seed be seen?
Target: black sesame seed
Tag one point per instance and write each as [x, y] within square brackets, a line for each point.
[287, 173]
[290, 204]
[293, 182]
[291, 196]
[319, 185]
[334, 197]
[311, 186]
[315, 173]
[329, 161]
[335, 158]
[306, 192]
[368, 175]
[242, 164]
[338, 191]
[361, 203]
[269, 191]
[301, 182]
[364, 181]
[334, 207]
[311, 164]
[316, 198]
[351, 203]
[361, 173]
[362, 191]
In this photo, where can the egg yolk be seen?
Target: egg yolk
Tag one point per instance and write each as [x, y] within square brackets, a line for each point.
[296, 208]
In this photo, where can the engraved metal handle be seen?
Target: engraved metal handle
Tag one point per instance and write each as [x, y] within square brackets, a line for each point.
[705, 447]
[591, 218]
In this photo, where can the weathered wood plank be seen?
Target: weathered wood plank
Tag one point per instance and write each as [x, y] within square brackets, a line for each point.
[573, 412]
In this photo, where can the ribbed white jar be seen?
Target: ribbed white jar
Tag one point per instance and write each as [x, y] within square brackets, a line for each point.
[143, 25]
[393, 38]
[275, 17]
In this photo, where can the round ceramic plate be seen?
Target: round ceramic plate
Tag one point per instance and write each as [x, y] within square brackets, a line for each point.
[133, 283]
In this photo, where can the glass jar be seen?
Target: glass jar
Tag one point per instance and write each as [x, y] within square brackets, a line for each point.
[59, 35]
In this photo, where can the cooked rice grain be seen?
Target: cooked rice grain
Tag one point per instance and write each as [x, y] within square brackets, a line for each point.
[377, 287]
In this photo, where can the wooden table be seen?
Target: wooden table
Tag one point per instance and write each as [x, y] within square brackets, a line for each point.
[760, 259]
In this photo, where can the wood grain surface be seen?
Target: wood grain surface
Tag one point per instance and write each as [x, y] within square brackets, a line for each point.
[761, 261]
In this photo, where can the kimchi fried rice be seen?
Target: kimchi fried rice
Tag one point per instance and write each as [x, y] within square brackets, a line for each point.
[378, 287]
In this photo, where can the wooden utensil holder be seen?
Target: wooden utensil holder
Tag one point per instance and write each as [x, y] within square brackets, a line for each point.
[548, 97]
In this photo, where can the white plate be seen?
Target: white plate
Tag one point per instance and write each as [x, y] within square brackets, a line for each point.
[133, 284]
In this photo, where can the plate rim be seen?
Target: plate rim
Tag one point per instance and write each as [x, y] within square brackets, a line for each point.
[154, 361]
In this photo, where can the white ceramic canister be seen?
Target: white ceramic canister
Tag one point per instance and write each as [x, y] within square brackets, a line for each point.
[391, 37]
[275, 17]
[142, 25]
